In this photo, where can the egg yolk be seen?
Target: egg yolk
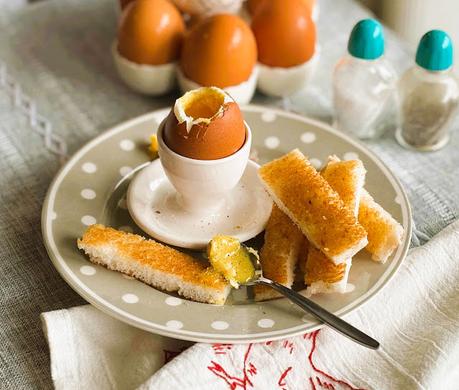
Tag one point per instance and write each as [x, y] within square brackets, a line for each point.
[284, 32]
[219, 51]
[231, 259]
[202, 104]
[151, 32]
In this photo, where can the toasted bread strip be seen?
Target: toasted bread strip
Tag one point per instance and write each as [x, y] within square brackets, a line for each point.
[153, 263]
[384, 232]
[306, 197]
[321, 274]
[301, 263]
[347, 179]
[279, 253]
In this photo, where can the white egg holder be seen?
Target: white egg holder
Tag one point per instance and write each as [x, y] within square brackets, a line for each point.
[282, 82]
[158, 80]
[152, 80]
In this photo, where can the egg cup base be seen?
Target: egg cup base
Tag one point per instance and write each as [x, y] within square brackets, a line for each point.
[155, 207]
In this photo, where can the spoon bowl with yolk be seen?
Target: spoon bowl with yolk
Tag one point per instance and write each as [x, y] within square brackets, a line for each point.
[232, 259]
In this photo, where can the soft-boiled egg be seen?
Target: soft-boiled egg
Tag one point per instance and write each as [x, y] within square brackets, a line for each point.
[220, 51]
[150, 36]
[208, 7]
[286, 42]
[205, 124]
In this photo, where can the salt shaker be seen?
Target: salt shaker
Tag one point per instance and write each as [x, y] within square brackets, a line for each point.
[365, 84]
[429, 95]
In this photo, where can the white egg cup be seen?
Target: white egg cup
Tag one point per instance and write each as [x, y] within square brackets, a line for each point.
[283, 82]
[185, 202]
[151, 80]
[241, 93]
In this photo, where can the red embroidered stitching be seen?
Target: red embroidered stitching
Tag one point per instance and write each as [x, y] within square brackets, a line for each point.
[220, 349]
[344, 383]
[281, 381]
[313, 386]
[288, 345]
[232, 381]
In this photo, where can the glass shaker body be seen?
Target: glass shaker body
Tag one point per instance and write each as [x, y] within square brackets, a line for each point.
[365, 96]
[428, 102]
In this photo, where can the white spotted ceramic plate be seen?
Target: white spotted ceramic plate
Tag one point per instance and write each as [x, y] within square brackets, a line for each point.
[91, 188]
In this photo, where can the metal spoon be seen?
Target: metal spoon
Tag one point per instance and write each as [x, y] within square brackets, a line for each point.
[311, 307]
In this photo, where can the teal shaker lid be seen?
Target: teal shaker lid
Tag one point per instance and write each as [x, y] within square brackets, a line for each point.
[366, 40]
[435, 51]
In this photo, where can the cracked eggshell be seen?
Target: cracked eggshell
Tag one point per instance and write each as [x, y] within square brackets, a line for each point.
[151, 80]
[205, 124]
[281, 82]
[241, 93]
[208, 7]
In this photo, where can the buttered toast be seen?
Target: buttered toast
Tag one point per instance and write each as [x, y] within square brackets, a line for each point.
[310, 202]
[279, 254]
[321, 274]
[154, 264]
[384, 232]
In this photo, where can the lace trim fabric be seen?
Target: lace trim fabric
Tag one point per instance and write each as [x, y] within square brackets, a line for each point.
[38, 123]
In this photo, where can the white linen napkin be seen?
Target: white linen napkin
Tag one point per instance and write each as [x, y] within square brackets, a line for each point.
[416, 319]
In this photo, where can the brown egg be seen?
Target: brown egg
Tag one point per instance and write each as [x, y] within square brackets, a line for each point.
[285, 33]
[219, 50]
[254, 5]
[205, 124]
[151, 32]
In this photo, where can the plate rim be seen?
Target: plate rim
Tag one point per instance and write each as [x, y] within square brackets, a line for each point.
[110, 309]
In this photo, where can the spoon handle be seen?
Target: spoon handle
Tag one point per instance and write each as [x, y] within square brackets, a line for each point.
[319, 312]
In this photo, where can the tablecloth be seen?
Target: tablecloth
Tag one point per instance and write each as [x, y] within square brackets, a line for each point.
[58, 89]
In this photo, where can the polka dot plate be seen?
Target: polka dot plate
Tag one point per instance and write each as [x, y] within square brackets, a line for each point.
[92, 186]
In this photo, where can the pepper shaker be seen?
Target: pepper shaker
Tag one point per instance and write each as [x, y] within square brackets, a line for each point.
[429, 95]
